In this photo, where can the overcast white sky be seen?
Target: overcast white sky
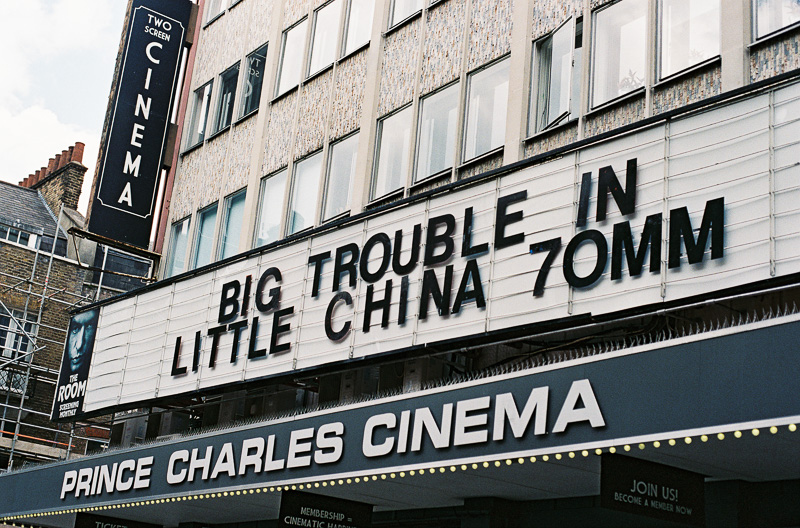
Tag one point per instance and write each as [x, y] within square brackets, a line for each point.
[57, 63]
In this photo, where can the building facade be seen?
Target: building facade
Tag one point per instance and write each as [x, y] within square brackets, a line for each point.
[461, 263]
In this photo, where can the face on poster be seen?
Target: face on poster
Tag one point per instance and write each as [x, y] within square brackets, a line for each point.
[75, 364]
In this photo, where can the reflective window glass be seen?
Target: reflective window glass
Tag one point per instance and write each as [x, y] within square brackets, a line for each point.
[291, 65]
[227, 94]
[232, 226]
[177, 252]
[253, 80]
[204, 243]
[305, 190]
[326, 28]
[689, 33]
[394, 142]
[341, 169]
[437, 132]
[772, 15]
[270, 210]
[487, 100]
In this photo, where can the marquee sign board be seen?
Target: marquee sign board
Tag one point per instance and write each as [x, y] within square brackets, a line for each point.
[576, 405]
[125, 193]
[661, 214]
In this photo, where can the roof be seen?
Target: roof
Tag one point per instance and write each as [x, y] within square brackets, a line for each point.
[25, 208]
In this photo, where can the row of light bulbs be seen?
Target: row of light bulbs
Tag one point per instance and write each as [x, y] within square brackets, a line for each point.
[400, 474]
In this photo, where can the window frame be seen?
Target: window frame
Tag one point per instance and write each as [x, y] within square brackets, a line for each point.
[394, 22]
[659, 48]
[416, 178]
[243, 111]
[335, 39]
[346, 28]
[768, 35]
[208, 18]
[329, 166]
[16, 350]
[377, 152]
[281, 201]
[168, 271]
[200, 100]
[290, 205]
[302, 23]
[230, 73]
[224, 224]
[466, 108]
[593, 57]
[198, 234]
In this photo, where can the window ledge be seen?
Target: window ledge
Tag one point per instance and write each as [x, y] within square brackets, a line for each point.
[433, 178]
[219, 133]
[353, 53]
[626, 98]
[775, 35]
[245, 117]
[284, 94]
[191, 148]
[483, 157]
[403, 23]
[319, 73]
[686, 72]
[214, 19]
[547, 131]
[386, 198]
[337, 217]
[234, 3]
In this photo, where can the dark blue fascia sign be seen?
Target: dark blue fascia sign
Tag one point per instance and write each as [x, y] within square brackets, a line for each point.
[318, 511]
[587, 403]
[125, 194]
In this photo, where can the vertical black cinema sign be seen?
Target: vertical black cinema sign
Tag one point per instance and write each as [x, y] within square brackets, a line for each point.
[125, 195]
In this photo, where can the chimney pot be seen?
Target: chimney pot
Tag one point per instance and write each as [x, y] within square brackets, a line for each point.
[51, 166]
[64, 158]
[24, 183]
[57, 165]
[72, 148]
[77, 153]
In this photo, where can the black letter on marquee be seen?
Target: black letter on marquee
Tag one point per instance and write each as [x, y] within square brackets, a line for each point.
[252, 353]
[445, 239]
[680, 227]
[248, 283]
[569, 256]
[401, 317]
[230, 294]
[317, 261]
[416, 242]
[349, 267]
[329, 331]
[503, 219]
[626, 201]
[553, 247]
[274, 293]
[215, 332]
[430, 288]
[278, 328]
[583, 203]
[467, 249]
[175, 370]
[237, 333]
[384, 304]
[386, 259]
[471, 272]
[623, 241]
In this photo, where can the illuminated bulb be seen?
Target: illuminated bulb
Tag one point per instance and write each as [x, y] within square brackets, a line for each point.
[474, 466]
[792, 427]
[773, 429]
[391, 475]
[324, 483]
[316, 484]
[755, 432]
[656, 444]
[349, 481]
[598, 451]
[737, 434]
[627, 448]
[402, 474]
[612, 449]
[463, 467]
[383, 477]
[496, 463]
[641, 446]
[704, 438]
[672, 441]
[432, 471]
[558, 456]
[533, 459]
[720, 436]
[486, 464]
[340, 482]
[376, 478]
[357, 480]
[585, 453]
[688, 439]
[412, 472]
[545, 458]
[452, 468]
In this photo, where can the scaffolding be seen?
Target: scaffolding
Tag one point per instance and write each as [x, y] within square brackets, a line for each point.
[26, 433]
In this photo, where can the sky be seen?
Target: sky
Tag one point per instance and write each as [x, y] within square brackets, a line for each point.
[57, 63]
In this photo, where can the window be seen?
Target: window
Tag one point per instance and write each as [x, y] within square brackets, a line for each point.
[197, 128]
[358, 27]
[689, 32]
[18, 236]
[437, 132]
[291, 64]
[341, 168]
[204, 244]
[14, 332]
[555, 95]
[253, 80]
[232, 225]
[227, 86]
[326, 28]
[271, 208]
[619, 50]
[214, 8]
[177, 253]
[305, 189]
[772, 15]
[391, 163]
[402, 9]
[487, 99]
